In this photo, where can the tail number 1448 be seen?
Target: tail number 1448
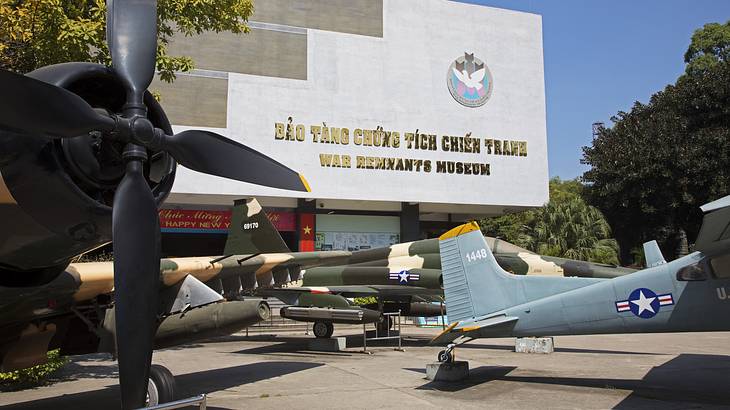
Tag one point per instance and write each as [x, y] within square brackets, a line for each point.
[476, 255]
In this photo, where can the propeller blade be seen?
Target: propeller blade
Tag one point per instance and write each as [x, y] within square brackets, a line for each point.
[132, 39]
[214, 154]
[33, 106]
[136, 235]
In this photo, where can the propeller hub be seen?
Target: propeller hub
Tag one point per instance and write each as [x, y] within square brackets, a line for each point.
[142, 131]
[135, 108]
[134, 152]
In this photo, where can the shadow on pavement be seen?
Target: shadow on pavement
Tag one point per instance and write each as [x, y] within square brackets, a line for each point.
[297, 346]
[557, 349]
[75, 371]
[188, 385]
[689, 378]
[477, 376]
[301, 344]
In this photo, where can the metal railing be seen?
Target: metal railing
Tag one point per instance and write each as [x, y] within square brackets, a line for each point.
[201, 400]
[386, 317]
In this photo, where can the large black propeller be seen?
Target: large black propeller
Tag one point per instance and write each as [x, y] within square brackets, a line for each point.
[136, 236]
[38, 107]
[42, 108]
[132, 38]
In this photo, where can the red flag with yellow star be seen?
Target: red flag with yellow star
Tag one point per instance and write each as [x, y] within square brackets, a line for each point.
[306, 232]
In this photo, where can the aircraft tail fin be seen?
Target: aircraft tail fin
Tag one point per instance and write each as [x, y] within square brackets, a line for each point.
[714, 236]
[474, 283]
[653, 254]
[251, 231]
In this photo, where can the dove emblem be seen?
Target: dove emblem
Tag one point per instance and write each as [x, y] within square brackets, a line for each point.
[469, 81]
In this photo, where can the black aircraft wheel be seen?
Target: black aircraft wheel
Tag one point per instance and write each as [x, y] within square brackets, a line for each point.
[445, 356]
[323, 330]
[161, 386]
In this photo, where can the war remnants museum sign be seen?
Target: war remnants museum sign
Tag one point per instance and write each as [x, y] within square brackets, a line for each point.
[370, 117]
[406, 144]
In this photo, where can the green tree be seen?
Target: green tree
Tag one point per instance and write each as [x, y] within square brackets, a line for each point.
[710, 46]
[561, 191]
[566, 227]
[660, 161]
[572, 229]
[36, 33]
[510, 227]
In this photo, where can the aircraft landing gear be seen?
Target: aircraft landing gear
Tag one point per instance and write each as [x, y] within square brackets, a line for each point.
[160, 386]
[447, 355]
[323, 330]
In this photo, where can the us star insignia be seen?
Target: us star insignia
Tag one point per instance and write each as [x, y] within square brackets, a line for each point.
[404, 276]
[644, 303]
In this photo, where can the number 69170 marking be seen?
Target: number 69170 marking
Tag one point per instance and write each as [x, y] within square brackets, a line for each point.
[250, 225]
[477, 254]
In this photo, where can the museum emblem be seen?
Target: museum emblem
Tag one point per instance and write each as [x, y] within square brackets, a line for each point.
[469, 81]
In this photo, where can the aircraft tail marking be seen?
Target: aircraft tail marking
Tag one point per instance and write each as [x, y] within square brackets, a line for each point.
[474, 284]
[476, 288]
[251, 231]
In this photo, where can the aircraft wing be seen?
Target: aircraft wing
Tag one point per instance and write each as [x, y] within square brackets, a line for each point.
[255, 255]
[472, 329]
[266, 262]
[88, 280]
[349, 291]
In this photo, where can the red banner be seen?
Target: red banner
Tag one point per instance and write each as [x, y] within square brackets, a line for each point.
[197, 221]
[192, 221]
[306, 232]
[283, 221]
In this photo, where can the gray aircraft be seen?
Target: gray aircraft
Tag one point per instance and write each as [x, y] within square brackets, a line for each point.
[405, 278]
[686, 295]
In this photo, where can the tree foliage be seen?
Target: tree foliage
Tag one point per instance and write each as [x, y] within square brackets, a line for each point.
[572, 229]
[566, 227]
[710, 46]
[365, 300]
[36, 33]
[659, 162]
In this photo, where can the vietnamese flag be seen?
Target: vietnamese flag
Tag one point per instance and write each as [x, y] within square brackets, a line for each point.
[306, 232]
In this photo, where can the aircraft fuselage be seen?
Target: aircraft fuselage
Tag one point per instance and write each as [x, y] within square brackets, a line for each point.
[649, 301]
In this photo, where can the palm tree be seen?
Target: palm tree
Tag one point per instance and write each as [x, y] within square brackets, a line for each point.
[571, 229]
[566, 227]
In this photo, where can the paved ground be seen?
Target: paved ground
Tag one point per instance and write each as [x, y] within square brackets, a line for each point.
[671, 371]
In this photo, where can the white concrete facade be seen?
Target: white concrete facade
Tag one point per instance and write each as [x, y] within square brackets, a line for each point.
[398, 82]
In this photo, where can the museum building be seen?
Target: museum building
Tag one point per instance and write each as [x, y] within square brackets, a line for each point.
[406, 118]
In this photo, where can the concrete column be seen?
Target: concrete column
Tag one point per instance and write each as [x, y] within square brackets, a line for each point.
[410, 226]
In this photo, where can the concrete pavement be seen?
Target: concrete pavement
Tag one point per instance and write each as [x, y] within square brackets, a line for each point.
[671, 371]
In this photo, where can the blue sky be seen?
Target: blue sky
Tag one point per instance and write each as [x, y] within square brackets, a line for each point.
[600, 57]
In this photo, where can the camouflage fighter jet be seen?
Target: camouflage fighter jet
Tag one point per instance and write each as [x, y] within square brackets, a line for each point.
[75, 312]
[688, 294]
[405, 277]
